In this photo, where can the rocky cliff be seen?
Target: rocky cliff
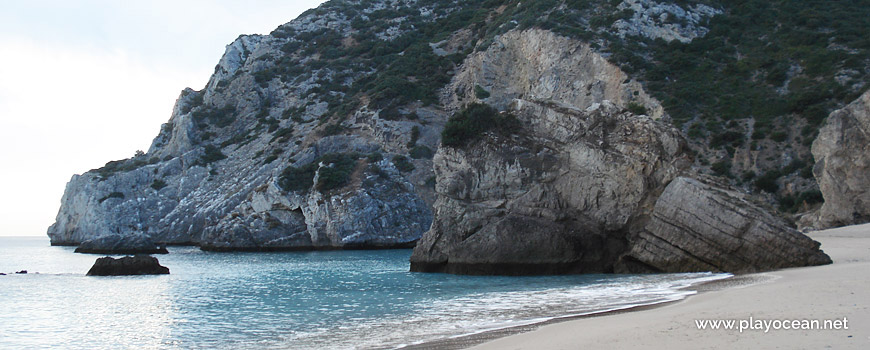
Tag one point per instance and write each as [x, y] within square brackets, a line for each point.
[582, 184]
[842, 154]
[321, 135]
[260, 160]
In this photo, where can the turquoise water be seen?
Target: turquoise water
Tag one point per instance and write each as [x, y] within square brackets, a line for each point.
[307, 300]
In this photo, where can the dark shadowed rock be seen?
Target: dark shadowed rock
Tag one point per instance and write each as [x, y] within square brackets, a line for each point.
[698, 227]
[120, 244]
[128, 265]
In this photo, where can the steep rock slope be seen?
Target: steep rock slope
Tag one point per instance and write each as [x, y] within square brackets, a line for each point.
[842, 154]
[269, 156]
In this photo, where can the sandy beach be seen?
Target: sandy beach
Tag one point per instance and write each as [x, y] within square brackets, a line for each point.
[839, 293]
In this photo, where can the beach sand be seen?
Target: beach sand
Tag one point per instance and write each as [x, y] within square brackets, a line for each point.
[832, 292]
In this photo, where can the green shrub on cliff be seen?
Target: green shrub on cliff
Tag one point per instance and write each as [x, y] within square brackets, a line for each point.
[335, 173]
[473, 121]
[298, 178]
[402, 163]
[118, 195]
[212, 154]
[219, 117]
[336, 170]
[158, 184]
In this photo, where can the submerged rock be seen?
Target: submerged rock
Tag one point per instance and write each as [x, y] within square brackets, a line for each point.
[120, 244]
[128, 265]
[842, 154]
[699, 227]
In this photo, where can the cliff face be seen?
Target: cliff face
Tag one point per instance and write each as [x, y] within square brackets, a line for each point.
[321, 135]
[251, 161]
[842, 154]
[538, 65]
[584, 185]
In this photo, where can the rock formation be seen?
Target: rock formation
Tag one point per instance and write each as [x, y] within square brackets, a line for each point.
[555, 199]
[579, 187]
[702, 227]
[842, 154]
[120, 244]
[210, 177]
[127, 266]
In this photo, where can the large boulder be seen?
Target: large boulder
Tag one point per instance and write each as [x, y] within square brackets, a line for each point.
[842, 154]
[128, 265]
[558, 197]
[698, 227]
[120, 244]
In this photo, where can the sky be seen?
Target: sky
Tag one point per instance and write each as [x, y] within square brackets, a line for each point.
[88, 81]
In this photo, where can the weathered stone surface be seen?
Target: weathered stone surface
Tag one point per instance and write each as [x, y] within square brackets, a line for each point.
[120, 244]
[377, 210]
[538, 65]
[200, 179]
[557, 198]
[698, 227]
[128, 265]
[842, 154]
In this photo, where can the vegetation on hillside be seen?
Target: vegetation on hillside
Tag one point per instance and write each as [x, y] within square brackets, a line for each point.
[334, 173]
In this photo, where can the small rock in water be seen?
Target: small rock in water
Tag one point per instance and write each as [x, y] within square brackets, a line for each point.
[22, 272]
[128, 265]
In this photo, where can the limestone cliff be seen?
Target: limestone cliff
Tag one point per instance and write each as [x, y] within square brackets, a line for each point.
[842, 154]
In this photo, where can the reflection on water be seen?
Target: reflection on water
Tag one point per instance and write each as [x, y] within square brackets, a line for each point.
[323, 300]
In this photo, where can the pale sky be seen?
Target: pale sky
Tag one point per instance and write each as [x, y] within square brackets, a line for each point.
[83, 82]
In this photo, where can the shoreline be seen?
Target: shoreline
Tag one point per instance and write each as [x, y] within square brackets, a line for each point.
[470, 340]
[839, 290]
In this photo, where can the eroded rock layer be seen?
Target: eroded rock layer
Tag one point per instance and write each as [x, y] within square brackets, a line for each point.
[701, 227]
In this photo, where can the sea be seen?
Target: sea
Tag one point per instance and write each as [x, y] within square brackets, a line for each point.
[288, 300]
